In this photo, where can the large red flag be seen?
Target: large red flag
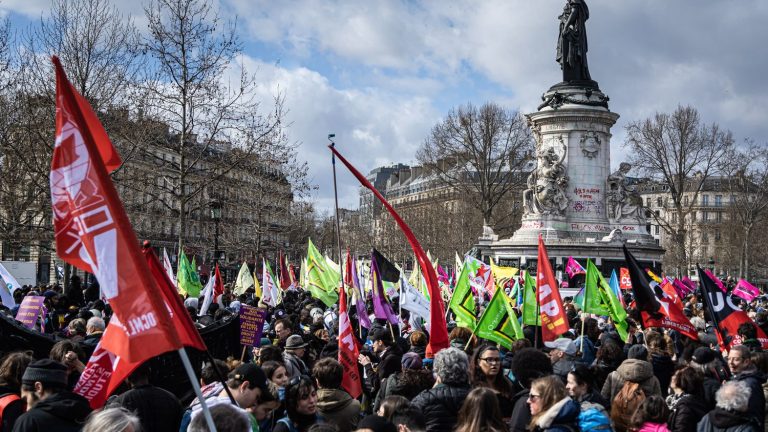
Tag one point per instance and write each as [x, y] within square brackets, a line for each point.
[439, 330]
[188, 334]
[725, 314]
[348, 350]
[657, 308]
[285, 278]
[553, 319]
[218, 284]
[93, 233]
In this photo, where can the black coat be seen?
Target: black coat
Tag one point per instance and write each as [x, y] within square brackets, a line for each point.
[60, 412]
[12, 410]
[756, 408]
[158, 409]
[663, 368]
[440, 406]
[686, 414]
[521, 413]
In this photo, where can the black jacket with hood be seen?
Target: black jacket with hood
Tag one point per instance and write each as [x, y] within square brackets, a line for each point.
[60, 412]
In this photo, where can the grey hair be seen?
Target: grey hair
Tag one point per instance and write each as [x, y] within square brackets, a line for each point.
[452, 366]
[116, 419]
[226, 417]
[733, 396]
[97, 323]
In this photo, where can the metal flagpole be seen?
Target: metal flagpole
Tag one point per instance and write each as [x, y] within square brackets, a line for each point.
[196, 386]
[336, 199]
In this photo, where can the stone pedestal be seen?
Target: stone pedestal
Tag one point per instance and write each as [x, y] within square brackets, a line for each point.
[573, 200]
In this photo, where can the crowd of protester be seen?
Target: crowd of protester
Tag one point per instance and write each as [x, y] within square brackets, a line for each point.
[587, 380]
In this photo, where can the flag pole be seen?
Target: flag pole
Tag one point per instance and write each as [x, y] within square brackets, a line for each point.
[536, 327]
[336, 199]
[196, 386]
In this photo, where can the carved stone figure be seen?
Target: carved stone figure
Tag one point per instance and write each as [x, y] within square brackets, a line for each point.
[590, 144]
[624, 203]
[572, 41]
[547, 184]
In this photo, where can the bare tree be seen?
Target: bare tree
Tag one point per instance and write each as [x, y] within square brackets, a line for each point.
[480, 152]
[193, 53]
[746, 180]
[677, 150]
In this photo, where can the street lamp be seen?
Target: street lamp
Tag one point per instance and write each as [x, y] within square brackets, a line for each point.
[216, 216]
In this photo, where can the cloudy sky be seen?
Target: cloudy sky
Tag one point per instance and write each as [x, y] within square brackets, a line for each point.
[380, 74]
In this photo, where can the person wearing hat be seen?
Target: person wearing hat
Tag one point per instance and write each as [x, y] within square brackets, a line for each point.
[249, 387]
[562, 354]
[389, 356]
[708, 365]
[50, 407]
[158, 409]
[295, 347]
[408, 383]
[636, 368]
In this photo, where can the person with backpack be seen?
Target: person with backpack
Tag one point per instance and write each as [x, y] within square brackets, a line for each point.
[636, 369]
[651, 416]
[11, 372]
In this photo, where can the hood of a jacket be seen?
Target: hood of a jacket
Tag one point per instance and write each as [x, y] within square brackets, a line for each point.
[635, 370]
[750, 375]
[726, 419]
[563, 412]
[332, 400]
[65, 405]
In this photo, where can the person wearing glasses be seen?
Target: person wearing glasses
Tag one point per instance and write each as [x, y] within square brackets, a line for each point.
[551, 408]
[485, 365]
[744, 370]
[301, 406]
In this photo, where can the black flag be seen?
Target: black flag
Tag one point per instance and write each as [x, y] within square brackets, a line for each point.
[388, 271]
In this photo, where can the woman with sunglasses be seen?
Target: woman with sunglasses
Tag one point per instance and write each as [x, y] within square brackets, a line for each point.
[551, 408]
[301, 405]
[487, 372]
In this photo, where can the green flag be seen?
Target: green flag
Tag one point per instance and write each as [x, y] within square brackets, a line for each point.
[188, 281]
[462, 301]
[591, 301]
[499, 322]
[322, 281]
[244, 280]
[531, 315]
[600, 299]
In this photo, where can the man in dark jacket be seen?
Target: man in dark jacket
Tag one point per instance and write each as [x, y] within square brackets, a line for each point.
[50, 406]
[158, 409]
[744, 369]
[440, 405]
[389, 354]
[334, 404]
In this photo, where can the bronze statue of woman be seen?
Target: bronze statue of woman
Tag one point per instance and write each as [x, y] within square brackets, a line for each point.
[572, 41]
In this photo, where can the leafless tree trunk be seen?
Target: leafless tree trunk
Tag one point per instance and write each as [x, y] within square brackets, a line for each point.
[678, 150]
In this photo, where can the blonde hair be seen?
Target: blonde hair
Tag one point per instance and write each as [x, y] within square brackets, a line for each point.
[551, 390]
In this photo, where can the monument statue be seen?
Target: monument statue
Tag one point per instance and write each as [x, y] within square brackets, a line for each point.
[624, 202]
[572, 41]
[547, 184]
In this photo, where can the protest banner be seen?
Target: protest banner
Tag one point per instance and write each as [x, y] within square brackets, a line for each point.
[29, 310]
[251, 325]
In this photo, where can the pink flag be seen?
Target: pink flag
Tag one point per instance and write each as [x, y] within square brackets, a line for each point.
[746, 290]
[573, 268]
[682, 288]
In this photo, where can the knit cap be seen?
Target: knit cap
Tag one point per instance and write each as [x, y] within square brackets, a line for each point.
[46, 371]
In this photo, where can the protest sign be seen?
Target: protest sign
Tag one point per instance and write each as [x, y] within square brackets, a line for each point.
[29, 310]
[251, 325]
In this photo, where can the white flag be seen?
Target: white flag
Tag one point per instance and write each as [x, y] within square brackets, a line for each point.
[412, 300]
[207, 296]
[168, 268]
[268, 287]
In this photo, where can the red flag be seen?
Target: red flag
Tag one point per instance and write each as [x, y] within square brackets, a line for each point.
[218, 284]
[185, 328]
[725, 314]
[103, 373]
[657, 308]
[439, 330]
[348, 351]
[625, 282]
[553, 319]
[93, 233]
[285, 279]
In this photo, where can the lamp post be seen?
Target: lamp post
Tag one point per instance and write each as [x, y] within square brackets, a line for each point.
[216, 216]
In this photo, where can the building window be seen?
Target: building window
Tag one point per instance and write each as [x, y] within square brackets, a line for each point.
[705, 216]
[704, 237]
[685, 200]
[718, 200]
[705, 200]
[648, 202]
[717, 235]
[719, 216]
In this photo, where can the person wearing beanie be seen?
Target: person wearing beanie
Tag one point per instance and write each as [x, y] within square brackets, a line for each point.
[158, 409]
[708, 365]
[389, 356]
[50, 407]
[636, 368]
[527, 365]
[408, 383]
